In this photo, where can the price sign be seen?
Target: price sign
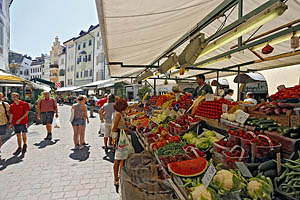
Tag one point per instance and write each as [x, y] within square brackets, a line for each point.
[209, 174]
[244, 169]
[224, 108]
[242, 117]
[209, 97]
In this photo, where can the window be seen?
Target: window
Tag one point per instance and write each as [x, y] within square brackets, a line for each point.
[77, 74]
[98, 44]
[84, 44]
[62, 83]
[81, 74]
[91, 72]
[79, 47]
[31, 70]
[21, 72]
[101, 57]
[90, 42]
[90, 57]
[78, 61]
[72, 68]
[86, 73]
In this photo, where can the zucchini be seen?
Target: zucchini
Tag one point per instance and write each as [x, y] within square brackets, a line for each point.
[252, 166]
[270, 173]
[281, 128]
[266, 126]
[286, 131]
[272, 129]
[267, 121]
[270, 164]
[295, 135]
[252, 118]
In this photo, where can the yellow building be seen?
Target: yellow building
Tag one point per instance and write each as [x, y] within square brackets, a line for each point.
[56, 50]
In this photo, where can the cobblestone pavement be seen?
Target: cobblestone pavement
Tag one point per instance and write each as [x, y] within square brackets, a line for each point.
[51, 170]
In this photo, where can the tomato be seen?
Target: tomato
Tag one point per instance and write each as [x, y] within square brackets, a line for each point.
[159, 144]
[154, 146]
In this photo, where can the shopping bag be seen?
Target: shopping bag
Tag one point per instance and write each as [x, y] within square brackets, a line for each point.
[124, 147]
[56, 123]
[102, 128]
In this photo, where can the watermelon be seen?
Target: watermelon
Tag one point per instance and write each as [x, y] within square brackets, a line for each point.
[188, 168]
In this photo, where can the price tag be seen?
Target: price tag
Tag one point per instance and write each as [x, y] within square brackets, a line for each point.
[242, 117]
[244, 169]
[224, 108]
[209, 97]
[209, 174]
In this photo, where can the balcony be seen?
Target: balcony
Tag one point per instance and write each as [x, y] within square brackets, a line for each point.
[54, 66]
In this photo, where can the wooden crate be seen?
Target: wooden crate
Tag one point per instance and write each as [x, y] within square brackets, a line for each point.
[284, 120]
[294, 120]
[212, 122]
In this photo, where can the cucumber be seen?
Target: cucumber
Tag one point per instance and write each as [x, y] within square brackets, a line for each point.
[286, 131]
[270, 173]
[266, 126]
[252, 118]
[281, 128]
[270, 164]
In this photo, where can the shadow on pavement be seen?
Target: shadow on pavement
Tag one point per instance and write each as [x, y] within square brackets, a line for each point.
[11, 161]
[110, 156]
[81, 154]
[45, 143]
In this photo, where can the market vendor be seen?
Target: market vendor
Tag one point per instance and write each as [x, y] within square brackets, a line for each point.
[250, 99]
[203, 88]
[228, 95]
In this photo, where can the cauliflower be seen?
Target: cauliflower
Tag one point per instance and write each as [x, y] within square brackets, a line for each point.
[231, 117]
[260, 188]
[224, 116]
[225, 178]
[201, 193]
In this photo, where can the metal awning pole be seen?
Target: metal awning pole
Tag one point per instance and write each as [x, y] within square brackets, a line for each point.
[154, 87]
[238, 93]
[217, 82]
[240, 15]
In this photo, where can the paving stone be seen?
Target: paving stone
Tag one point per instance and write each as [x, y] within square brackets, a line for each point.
[83, 193]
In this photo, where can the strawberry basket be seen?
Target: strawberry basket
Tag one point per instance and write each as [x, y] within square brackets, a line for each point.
[246, 140]
[235, 154]
[222, 145]
[266, 149]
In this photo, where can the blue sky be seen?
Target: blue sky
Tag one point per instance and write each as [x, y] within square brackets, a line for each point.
[35, 23]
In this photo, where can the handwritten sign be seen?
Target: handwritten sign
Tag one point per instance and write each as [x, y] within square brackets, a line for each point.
[242, 117]
[209, 97]
[209, 174]
[224, 108]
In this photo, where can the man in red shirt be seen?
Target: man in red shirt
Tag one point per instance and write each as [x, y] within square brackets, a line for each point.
[19, 118]
[46, 108]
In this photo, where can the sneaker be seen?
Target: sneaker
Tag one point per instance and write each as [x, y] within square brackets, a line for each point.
[18, 151]
[81, 147]
[24, 148]
[85, 144]
[50, 136]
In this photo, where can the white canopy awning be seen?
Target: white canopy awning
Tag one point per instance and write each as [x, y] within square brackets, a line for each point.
[66, 89]
[99, 84]
[136, 32]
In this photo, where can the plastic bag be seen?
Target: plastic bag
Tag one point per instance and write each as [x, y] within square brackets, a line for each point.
[56, 123]
[124, 147]
[102, 128]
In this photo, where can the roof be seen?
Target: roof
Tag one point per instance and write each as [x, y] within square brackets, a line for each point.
[137, 32]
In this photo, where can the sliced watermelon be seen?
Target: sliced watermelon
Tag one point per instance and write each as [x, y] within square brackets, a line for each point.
[188, 168]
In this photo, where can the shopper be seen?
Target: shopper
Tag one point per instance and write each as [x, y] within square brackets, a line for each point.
[46, 109]
[250, 99]
[228, 95]
[106, 113]
[202, 88]
[19, 118]
[118, 126]
[4, 117]
[79, 119]
[100, 103]
[91, 103]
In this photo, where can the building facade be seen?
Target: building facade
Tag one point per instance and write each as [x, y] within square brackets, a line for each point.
[4, 33]
[46, 69]
[56, 50]
[100, 68]
[62, 68]
[70, 62]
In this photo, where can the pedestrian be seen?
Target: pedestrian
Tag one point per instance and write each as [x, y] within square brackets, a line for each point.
[100, 103]
[118, 126]
[4, 117]
[91, 103]
[78, 120]
[19, 119]
[106, 113]
[46, 109]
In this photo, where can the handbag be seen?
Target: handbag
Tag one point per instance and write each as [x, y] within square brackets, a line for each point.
[3, 104]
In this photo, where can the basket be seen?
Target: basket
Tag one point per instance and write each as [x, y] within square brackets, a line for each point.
[234, 140]
[229, 161]
[245, 143]
[219, 149]
[264, 153]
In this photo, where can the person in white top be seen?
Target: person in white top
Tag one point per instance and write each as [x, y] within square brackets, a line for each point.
[228, 95]
[249, 98]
